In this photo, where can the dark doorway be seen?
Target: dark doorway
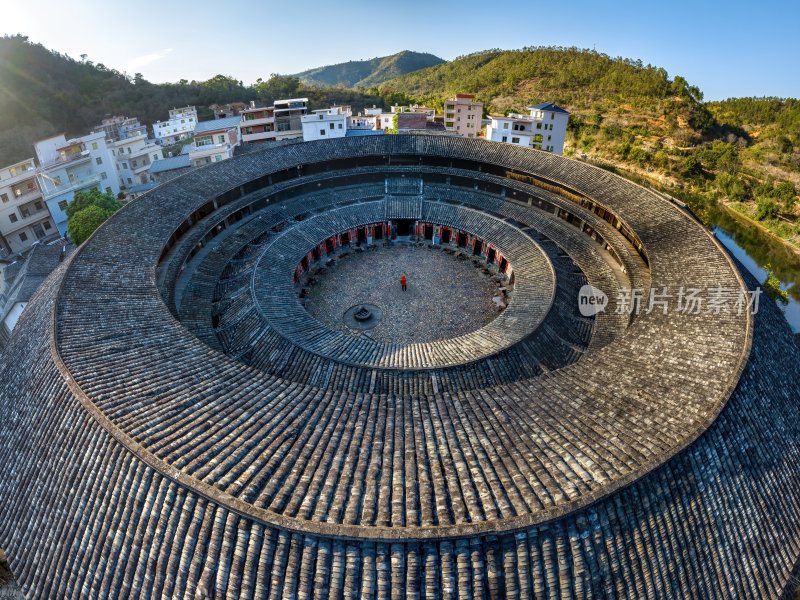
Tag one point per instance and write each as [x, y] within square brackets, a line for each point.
[477, 247]
[445, 235]
[315, 253]
[404, 227]
[330, 244]
[344, 238]
[428, 231]
[377, 232]
[461, 240]
[503, 265]
[490, 255]
[361, 235]
[304, 263]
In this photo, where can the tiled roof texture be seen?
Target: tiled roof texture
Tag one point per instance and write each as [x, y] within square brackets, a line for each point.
[137, 461]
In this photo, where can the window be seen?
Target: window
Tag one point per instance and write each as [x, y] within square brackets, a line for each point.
[13, 218]
[155, 156]
[331, 125]
[221, 139]
[505, 138]
[31, 187]
[104, 175]
[514, 140]
[62, 205]
[23, 237]
[505, 125]
[218, 157]
[98, 160]
[183, 121]
[38, 205]
[25, 212]
[548, 138]
[321, 117]
[340, 125]
[552, 115]
[538, 126]
[121, 151]
[322, 132]
[4, 197]
[129, 149]
[124, 165]
[129, 181]
[94, 145]
[47, 225]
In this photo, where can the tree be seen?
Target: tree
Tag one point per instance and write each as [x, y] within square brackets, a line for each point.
[766, 209]
[786, 194]
[87, 211]
[692, 166]
[772, 285]
[86, 198]
[84, 222]
[277, 87]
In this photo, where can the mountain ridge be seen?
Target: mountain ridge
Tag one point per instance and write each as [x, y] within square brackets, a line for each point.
[369, 72]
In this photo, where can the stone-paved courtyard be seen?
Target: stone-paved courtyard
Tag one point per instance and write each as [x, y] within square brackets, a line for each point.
[446, 297]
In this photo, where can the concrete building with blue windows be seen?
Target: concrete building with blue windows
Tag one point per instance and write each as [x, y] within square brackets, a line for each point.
[67, 166]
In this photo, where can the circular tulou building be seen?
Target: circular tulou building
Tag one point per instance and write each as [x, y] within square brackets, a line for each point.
[225, 393]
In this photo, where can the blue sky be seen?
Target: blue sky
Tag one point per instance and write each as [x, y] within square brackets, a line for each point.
[729, 48]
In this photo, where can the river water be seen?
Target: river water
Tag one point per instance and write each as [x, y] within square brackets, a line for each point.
[754, 249]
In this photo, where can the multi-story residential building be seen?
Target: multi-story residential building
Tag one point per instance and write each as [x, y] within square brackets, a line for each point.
[179, 126]
[119, 128]
[364, 122]
[553, 120]
[232, 109]
[429, 112]
[385, 120]
[326, 123]
[462, 115]
[372, 112]
[24, 218]
[214, 141]
[544, 129]
[287, 117]
[513, 129]
[257, 124]
[68, 166]
[134, 155]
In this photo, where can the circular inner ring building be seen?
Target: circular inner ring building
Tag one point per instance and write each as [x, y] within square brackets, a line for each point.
[225, 393]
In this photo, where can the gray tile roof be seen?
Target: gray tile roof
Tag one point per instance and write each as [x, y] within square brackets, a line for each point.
[623, 456]
[217, 124]
[168, 164]
[549, 106]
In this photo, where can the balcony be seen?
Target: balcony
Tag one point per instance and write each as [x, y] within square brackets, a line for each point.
[19, 177]
[51, 189]
[68, 159]
[257, 122]
[29, 195]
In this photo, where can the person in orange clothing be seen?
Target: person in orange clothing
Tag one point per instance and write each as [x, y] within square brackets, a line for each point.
[403, 282]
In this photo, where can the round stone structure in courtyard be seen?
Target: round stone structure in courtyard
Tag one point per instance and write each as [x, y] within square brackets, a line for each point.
[185, 412]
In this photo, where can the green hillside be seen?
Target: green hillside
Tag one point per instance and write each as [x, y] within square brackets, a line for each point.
[635, 119]
[366, 73]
